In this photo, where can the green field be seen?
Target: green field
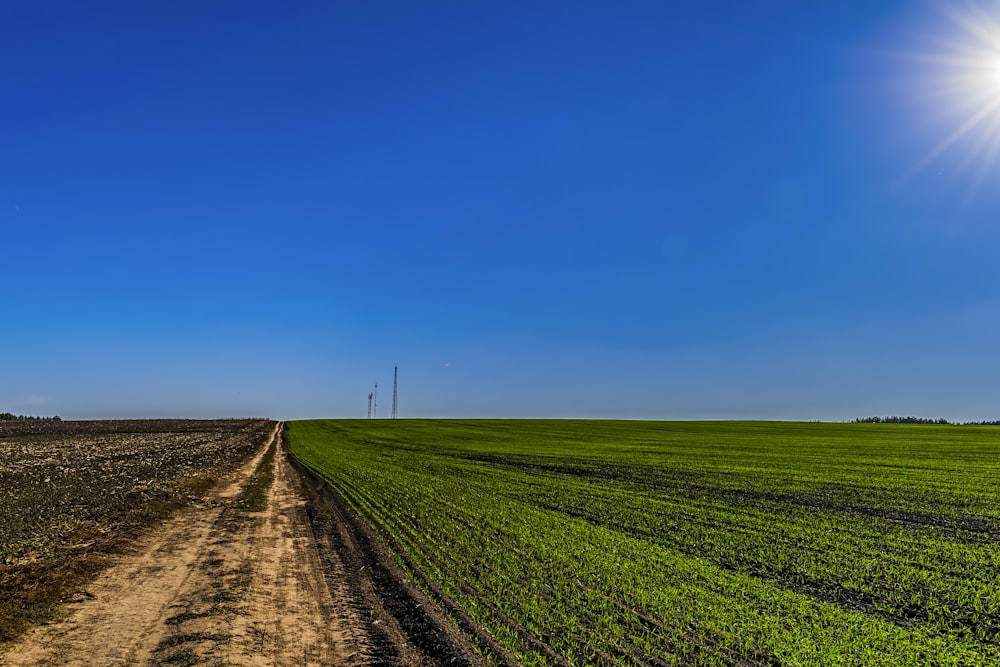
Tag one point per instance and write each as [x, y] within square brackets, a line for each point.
[595, 542]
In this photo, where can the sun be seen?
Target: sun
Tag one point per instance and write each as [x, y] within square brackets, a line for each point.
[956, 66]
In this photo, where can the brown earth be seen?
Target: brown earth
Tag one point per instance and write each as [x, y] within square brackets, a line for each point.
[221, 584]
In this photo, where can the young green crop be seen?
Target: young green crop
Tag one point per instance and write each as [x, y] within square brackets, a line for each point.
[593, 542]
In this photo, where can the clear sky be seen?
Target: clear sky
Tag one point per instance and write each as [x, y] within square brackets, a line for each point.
[775, 210]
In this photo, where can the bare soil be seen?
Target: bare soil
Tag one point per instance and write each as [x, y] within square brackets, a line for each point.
[302, 582]
[213, 585]
[75, 495]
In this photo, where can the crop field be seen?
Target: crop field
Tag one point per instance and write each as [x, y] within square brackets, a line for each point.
[664, 543]
[70, 491]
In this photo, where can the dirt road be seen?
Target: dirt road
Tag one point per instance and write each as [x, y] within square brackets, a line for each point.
[220, 583]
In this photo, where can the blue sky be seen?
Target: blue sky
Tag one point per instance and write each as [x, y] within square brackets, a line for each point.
[569, 209]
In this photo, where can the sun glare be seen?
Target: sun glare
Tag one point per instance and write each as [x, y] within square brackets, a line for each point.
[958, 69]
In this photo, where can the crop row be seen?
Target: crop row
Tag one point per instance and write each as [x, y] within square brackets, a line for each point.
[654, 544]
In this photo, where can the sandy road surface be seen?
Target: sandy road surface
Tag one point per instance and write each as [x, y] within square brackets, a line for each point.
[217, 584]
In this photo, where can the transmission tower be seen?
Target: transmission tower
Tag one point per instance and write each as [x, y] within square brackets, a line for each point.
[370, 405]
[395, 372]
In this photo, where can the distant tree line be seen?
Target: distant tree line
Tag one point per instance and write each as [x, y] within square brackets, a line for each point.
[10, 417]
[899, 420]
[920, 420]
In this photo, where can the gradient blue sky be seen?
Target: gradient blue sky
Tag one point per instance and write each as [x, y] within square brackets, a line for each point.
[536, 209]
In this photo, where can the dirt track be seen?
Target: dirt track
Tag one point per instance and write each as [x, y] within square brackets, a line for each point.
[216, 584]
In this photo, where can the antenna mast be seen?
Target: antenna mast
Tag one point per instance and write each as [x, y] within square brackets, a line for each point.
[395, 372]
[370, 405]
